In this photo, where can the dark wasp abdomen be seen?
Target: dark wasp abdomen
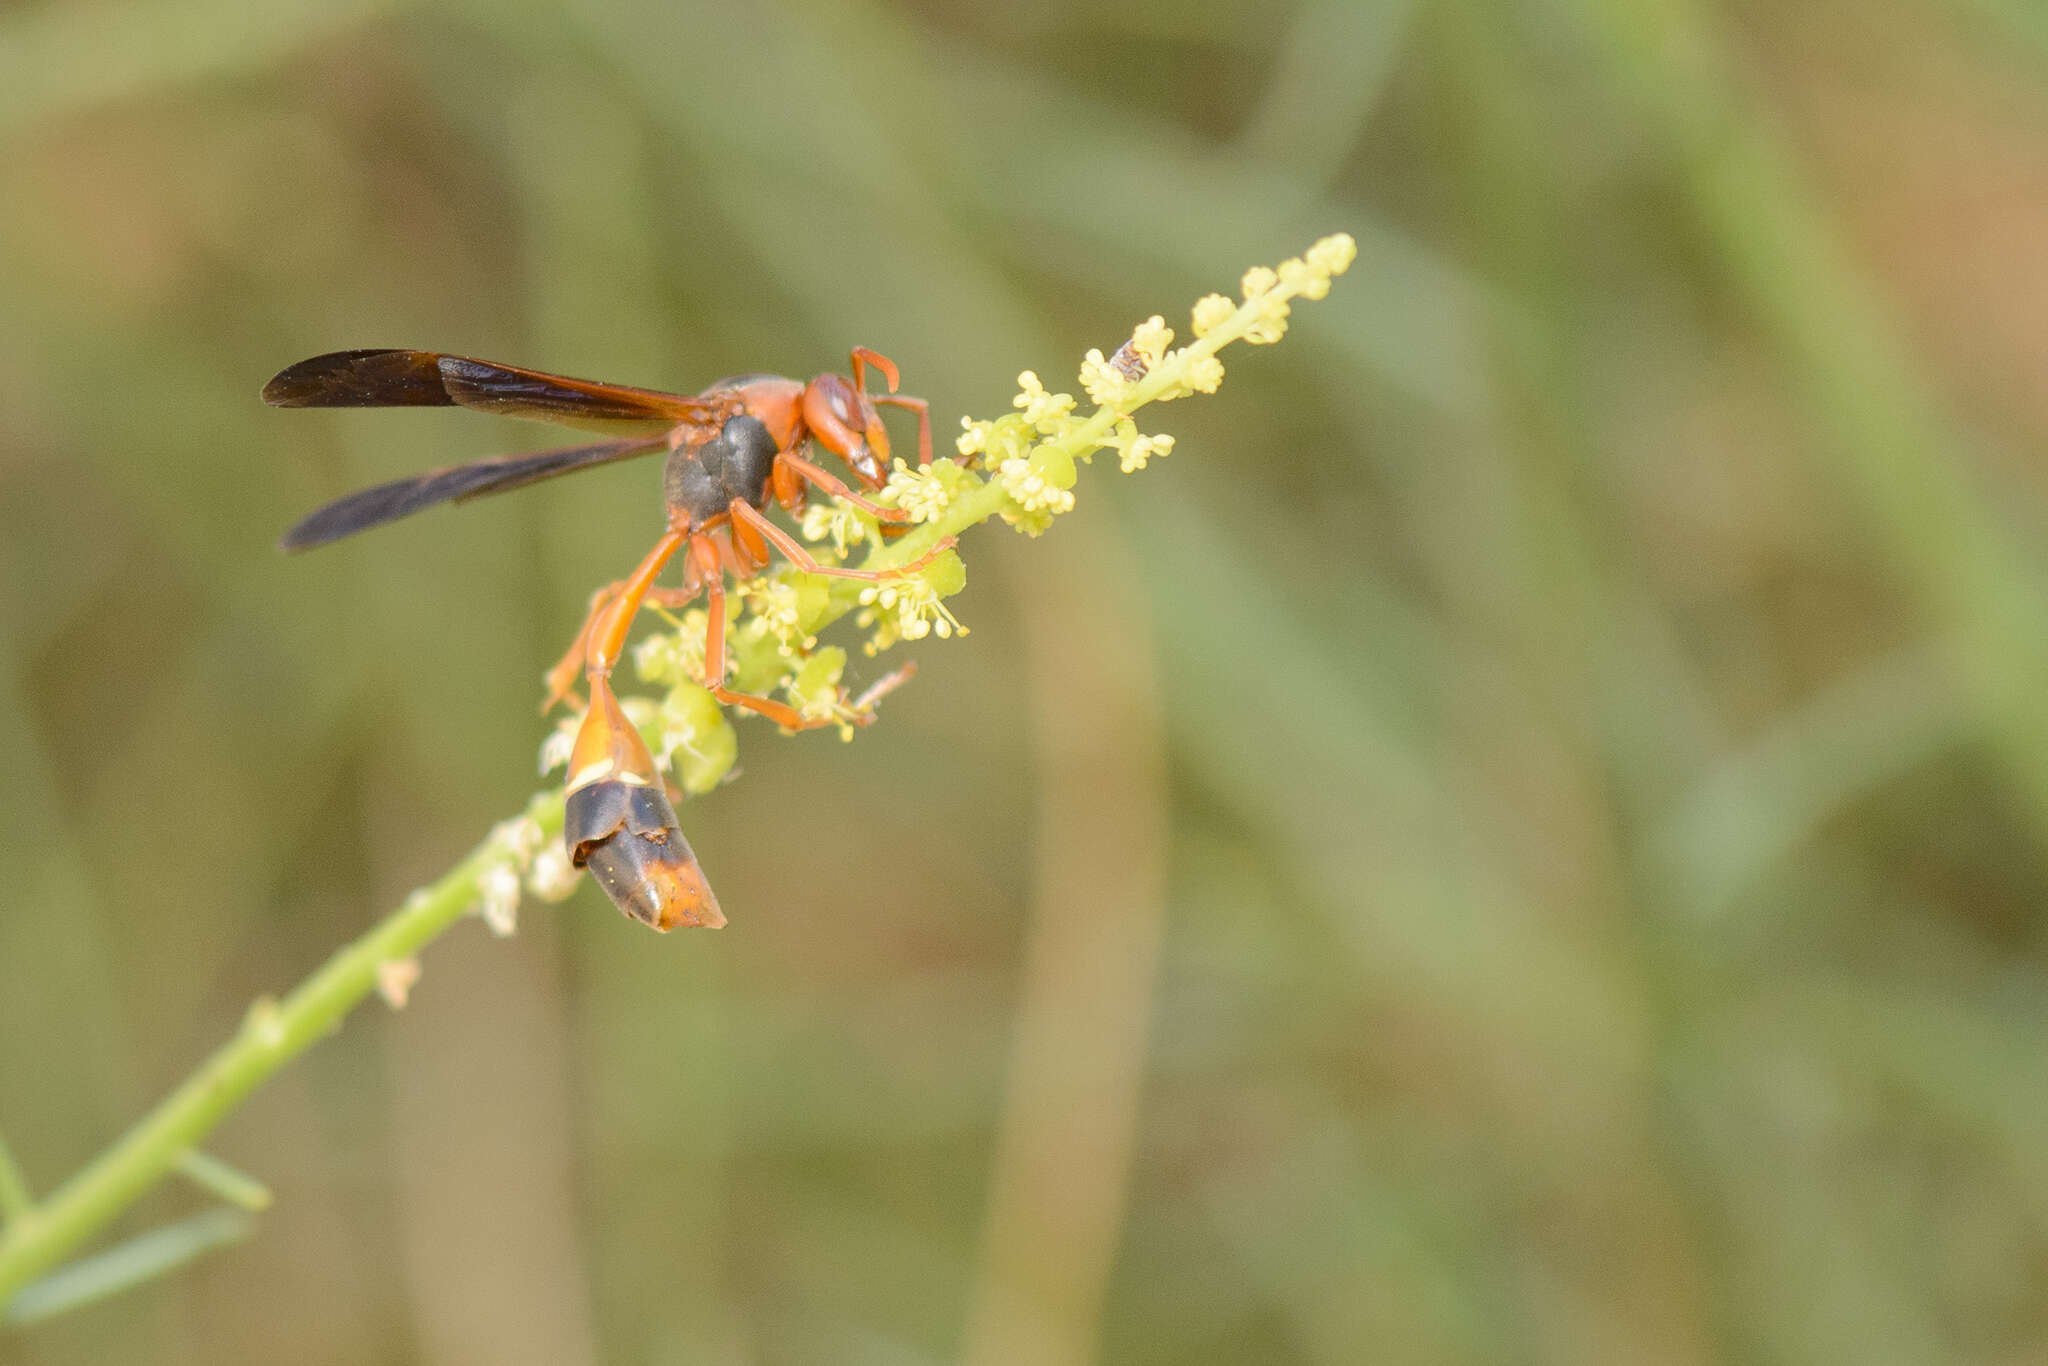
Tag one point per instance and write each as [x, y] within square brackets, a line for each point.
[627, 835]
[703, 480]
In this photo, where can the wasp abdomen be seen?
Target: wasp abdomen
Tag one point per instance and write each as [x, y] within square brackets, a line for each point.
[628, 836]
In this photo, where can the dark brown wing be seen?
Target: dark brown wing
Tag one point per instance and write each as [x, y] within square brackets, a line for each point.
[416, 379]
[370, 507]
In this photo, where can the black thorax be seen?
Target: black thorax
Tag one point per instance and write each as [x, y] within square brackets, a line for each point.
[703, 480]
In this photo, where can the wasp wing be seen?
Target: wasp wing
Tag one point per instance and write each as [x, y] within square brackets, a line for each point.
[430, 379]
[382, 503]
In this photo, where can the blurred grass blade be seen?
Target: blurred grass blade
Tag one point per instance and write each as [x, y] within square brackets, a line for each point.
[1059, 1189]
[1324, 85]
[58, 59]
[238, 1188]
[143, 1257]
[1760, 804]
[1345, 1258]
[1889, 438]
[15, 1199]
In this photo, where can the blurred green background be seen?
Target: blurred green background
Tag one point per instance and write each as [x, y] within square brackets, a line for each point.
[1522, 842]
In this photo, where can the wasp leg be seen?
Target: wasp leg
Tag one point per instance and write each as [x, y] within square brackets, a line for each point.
[781, 713]
[834, 485]
[746, 514]
[923, 410]
[863, 357]
[606, 632]
[561, 679]
[788, 488]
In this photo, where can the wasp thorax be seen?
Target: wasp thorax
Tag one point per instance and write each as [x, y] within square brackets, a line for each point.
[705, 479]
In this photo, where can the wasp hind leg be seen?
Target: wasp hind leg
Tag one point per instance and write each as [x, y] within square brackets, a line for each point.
[561, 679]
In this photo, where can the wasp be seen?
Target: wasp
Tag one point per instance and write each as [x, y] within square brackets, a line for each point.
[731, 450]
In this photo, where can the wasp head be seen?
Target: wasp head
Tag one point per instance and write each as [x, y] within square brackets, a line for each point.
[846, 422]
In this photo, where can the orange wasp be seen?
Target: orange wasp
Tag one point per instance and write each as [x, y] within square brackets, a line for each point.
[730, 449]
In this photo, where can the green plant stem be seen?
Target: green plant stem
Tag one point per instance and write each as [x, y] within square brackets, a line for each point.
[239, 1189]
[272, 1034]
[15, 1200]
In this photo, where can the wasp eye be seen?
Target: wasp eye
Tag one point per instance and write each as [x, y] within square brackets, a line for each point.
[846, 404]
[832, 410]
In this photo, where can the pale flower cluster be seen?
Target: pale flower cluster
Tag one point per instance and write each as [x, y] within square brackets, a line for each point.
[842, 522]
[1132, 456]
[916, 605]
[553, 877]
[1028, 487]
[777, 605]
[519, 845]
[498, 889]
[815, 692]
[1143, 370]
[674, 656]
[1149, 340]
[1047, 412]
[923, 493]
[994, 442]
[1211, 312]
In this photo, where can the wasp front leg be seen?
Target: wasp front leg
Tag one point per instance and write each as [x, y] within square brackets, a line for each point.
[835, 486]
[804, 560]
[923, 410]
